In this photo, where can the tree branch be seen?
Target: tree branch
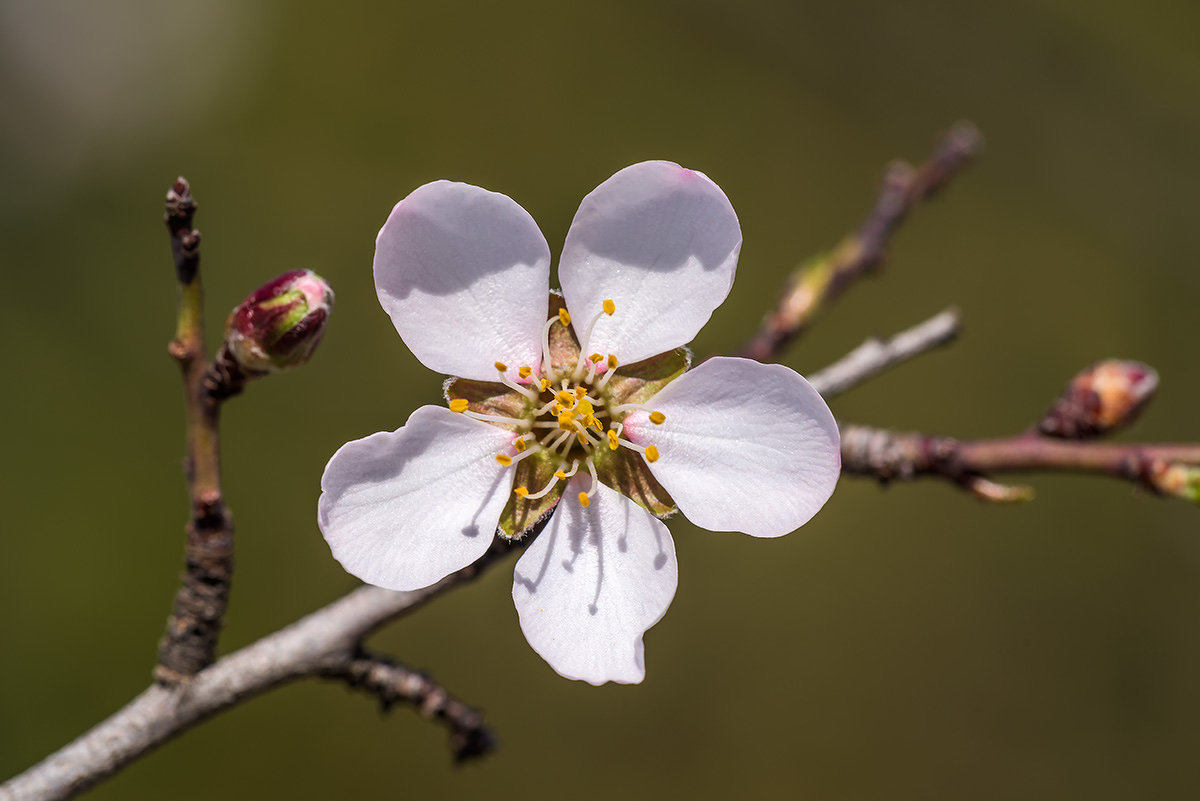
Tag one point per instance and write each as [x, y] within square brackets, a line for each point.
[312, 646]
[1099, 400]
[820, 280]
[875, 356]
[1162, 468]
[190, 641]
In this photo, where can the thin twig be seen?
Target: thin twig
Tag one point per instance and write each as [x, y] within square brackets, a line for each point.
[874, 356]
[190, 641]
[817, 282]
[308, 647]
[390, 682]
[891, 455]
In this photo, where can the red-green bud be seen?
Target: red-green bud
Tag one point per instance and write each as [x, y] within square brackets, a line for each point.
[1177, 479]
[1106, 396]
[280, 324]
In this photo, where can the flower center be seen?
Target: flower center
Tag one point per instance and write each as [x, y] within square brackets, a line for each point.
[570, 416]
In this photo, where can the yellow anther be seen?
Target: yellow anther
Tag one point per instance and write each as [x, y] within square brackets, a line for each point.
[521, 445]
[651, 453]
[459, 405]
[557, 409]
[612, 362]
[582, 437]
[580, 391]
[596, 424]
[564, 317]
[658, 418]
[609, 307]
[564, 397]
[584, 500]
[560, 475]
[525, 371]
[506, 460]
[545, 382]
[585, 407]
[521, 492]
[612, 440]
[502, 367]
[595, 357]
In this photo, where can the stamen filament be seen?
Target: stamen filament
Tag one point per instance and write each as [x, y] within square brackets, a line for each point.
[608, 307]
[649, 451]
[595, 478]
[528, 392]
[506, 460]
[549, 405]
[612, 368]
[546, 346]
[624, 408]
[545, 490]
[564, 436]
[522, 425]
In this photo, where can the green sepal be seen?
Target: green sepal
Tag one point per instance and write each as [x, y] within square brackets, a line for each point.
[641, 381]
[626, 472]
[521, 515]
[487, 397]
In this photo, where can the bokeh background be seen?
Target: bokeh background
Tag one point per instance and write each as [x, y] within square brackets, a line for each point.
[909, 643]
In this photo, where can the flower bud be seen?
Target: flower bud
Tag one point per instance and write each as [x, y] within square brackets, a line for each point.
[280, 324]
[1177, 479]
[1106, 396]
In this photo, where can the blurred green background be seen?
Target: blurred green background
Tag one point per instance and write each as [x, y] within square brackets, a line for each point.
[909, 643]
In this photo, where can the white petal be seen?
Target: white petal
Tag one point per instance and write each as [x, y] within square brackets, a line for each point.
[464, 274]
[662, 242]
[745, 447]
[401, 509]
[592, 583]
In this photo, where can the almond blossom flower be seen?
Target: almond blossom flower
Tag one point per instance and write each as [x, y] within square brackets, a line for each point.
[577, 406]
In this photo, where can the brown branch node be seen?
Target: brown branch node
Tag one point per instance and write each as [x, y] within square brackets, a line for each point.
[185, 241]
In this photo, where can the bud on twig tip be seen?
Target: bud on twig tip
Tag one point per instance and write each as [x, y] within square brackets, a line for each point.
[1177, 479]
[1103, 398]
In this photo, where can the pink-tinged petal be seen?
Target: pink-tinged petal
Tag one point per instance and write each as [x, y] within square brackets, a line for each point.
[662, 242]
[401, 509]
[745, 446]
[592, 583]
[463, 273]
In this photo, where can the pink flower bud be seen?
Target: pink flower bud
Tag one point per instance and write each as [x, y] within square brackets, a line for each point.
[281, 323]
[1106, 396]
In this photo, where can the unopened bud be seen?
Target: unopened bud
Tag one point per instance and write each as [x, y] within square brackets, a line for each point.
[1106, 396]
[280, 324]
[1177, 479]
